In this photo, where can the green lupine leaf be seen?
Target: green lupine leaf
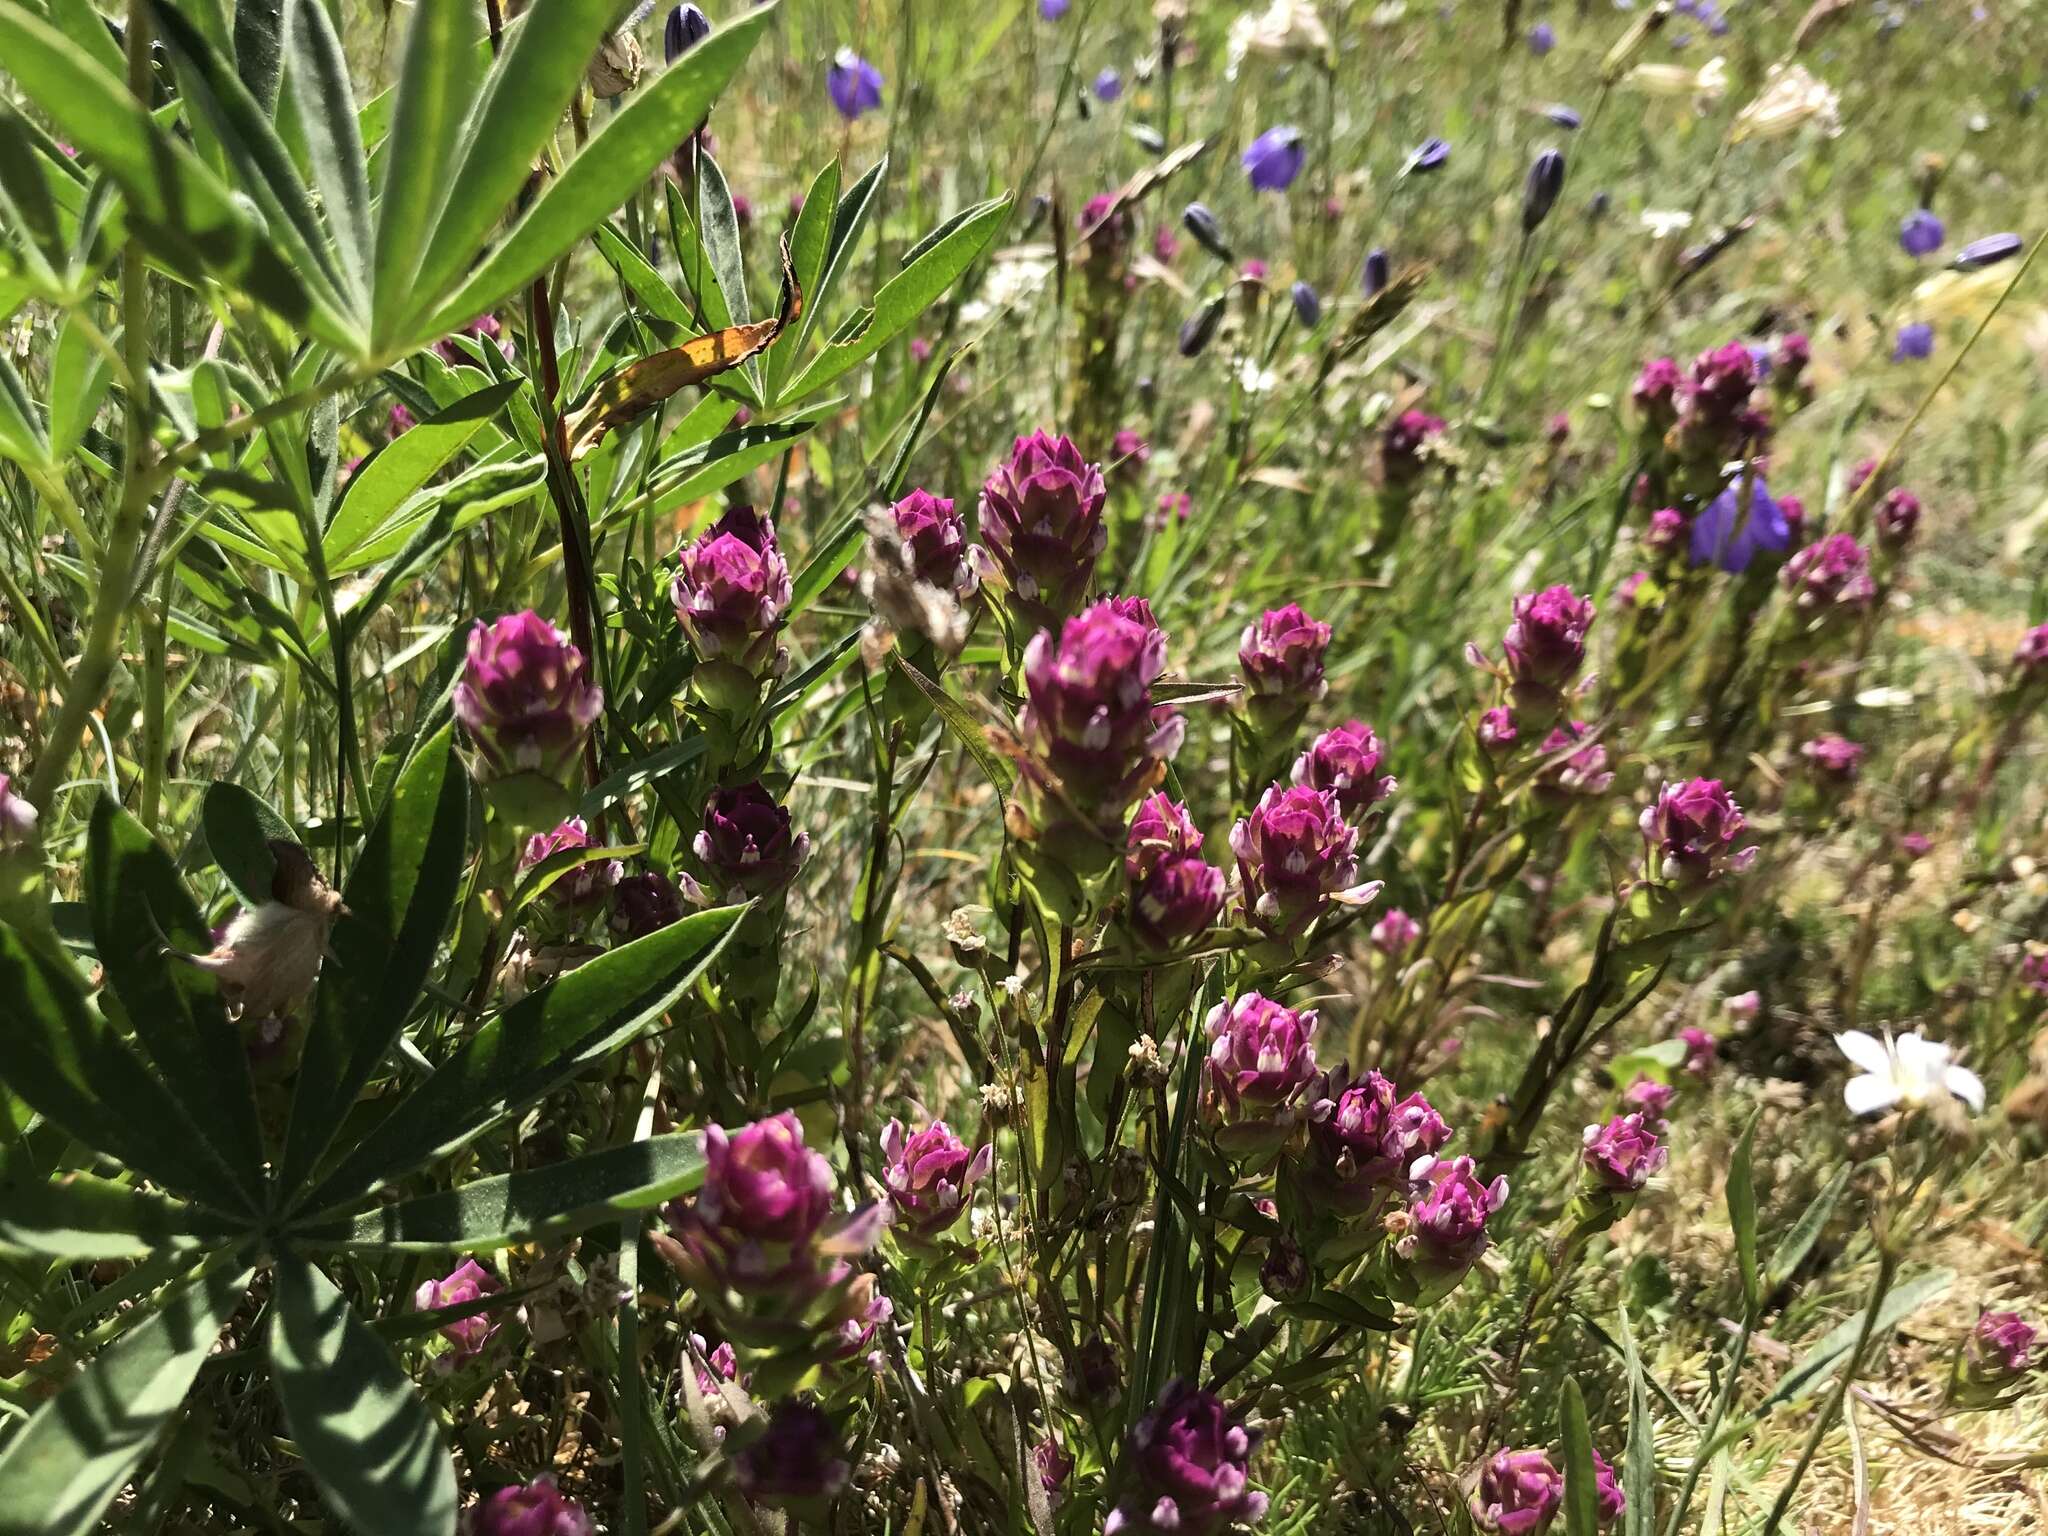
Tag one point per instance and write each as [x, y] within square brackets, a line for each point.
[368, 1439]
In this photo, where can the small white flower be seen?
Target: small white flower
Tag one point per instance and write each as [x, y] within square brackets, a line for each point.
[1907, 1072]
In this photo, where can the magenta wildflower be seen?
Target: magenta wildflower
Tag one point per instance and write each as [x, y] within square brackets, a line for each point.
[1191, 1457]
[1174, 893]
[468, 1282]
[930, 1176]
[1518, 1493]
[1624, 1154]
[1691, 833]
[748, 845]
[1261, 1057]
[537, 1508]
[1295, 857]
[1832, 573]
[525, 701]
[1396, 933]
[1041, 522]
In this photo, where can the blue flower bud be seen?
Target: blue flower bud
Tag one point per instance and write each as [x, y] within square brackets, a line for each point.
[1308, 309]
[1201, 223]
[1540, 191]
[685, 28]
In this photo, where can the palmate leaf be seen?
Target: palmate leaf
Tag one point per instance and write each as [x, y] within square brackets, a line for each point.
[542, 67]
[399, 896]
[520, 1207]
[140, 913]
[367, 1438]
[616, 161]
[530, 1048]
[77, 1216]
[70, 1066]
[437, 81]
[191, 222]
[324, 107]
[61, 1470]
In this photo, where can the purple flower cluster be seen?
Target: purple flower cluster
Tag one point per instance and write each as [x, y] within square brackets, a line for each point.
[1404, 448]
[1261, 1058]
[1296, 855]
[748, 845]
[1446, 1226]
[796, 1460]
[467, 1282]
[1835, 759]
[1041, 522]
[1545, 646]
[1365, 1139]
[1174, 893]
[1691, 833]
[525, 701]
[731, 590]
[1191, 1459]
[1282, 656]
[537, 1508]
[1624, 1154]
[930, 1176]
[582, 886]
[1518, 1492]
[1831, 574]
[1573, 767]
[763, 1224]
[1092, 739]
[2002, 1344]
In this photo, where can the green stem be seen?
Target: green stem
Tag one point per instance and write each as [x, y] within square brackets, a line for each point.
[110, 601]
[1886, 1266]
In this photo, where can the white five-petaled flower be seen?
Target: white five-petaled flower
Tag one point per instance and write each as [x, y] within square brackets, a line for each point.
[1907, 1072]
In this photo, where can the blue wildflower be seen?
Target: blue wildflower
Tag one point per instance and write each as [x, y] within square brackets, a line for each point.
[1717, 539]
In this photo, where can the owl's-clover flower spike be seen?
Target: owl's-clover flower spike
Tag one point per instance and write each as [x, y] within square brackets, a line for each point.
[1345, 760]
[586, 884]
[731, 590]
[525, 699]
[748, 844]
[468, 1282]
[1042, 528]
[1262, 1059]
[1092, 741]
[1623, 1155]
[1395, 934]
[1518, 1493]
[1830, 575]
[1405, 448]
[1364, 1139]
[1190, 1460]
[763, 1229]
[537, 1508]
[797, 1462]
[1573, 767]
[1173, 892]
[1446, 1226]
[1690, 833]
[1296, 859]
[930, 1176]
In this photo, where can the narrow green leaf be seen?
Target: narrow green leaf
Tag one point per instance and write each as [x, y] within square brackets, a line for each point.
[65, 1466]
[367, 1438]
[325, 107]
[1639, 1466]
[76, 1216]
[520, 1207]
[193, 224]
[849, 219]
[809, 244]
[141, 912]
[964, 727]
[259, 50]
[693, 261]
[81, 21]
[80, 376]
[832, 555]
[1818, 1365]
[399, 896]
[616, 161]
[22, 437]
[261, 163]
[436, 512]
[405, 464]
[537, 1043]
[28, 207]
[646, 284]
[70, 1066]
[720, 227]
[541, 68]
[906, 296]
[437, 80]
[1742, 1215]
[1796, 1244]
[239, 829]
[1581, 1489]
[899, 466]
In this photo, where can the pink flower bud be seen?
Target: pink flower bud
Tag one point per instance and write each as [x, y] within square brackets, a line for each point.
[1261, 1057]
[797, 1458]
[525, 701]
[1624, 1154]
[1832, 573]
[1447, 1221]
[1346, 762]
[1041, 519]
[1518, 1493]
[1282, 656]
[1691, 832]
[1395, 933]
[586, 884]
[1174, 893]
[730, 591]
[747, 846]
[930, 1176]
[1295, 857]
[537, 1508]
[1546, 642]
[1835, 759]
[468, 1282]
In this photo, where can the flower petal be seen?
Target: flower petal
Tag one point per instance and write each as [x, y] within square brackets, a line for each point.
[1865, 1051]
[1869, 1093]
